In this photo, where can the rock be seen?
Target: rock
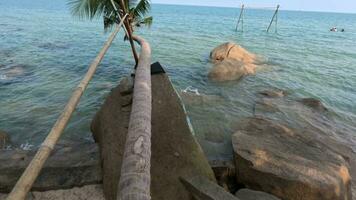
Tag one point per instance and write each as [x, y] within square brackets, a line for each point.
[190, 98]
[227, 70]
[231, 62]
[246, 194]
[4, 139]
[68, 166]
[291, 165]
[171, 136]
[126, 86]
[273, 93]
[225, 174]
[313, 103]
[232, 51]
[86, 192]
[204, 189]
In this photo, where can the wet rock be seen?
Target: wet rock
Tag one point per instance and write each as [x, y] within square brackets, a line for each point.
[175, 152]
[289, 164]
[227, 70]
[190, 98]
[273, 93]
[68, 166]
[4, 139]
[232, 51]
[313, 103]
[246, 194]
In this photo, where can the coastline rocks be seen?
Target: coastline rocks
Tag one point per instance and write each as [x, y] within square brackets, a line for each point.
[231, 62]
[73, 165]
[247, 194]
[4, 139]
[289, 164]
[175, 152]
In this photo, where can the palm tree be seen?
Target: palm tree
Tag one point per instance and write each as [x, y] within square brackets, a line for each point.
[136, 10]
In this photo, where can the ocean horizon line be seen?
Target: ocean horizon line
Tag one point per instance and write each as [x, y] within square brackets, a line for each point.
[257, 8]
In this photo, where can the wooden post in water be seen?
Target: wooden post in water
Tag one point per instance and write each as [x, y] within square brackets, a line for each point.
[274, 18]
[32, 171]
[241, 18]
[135, 178]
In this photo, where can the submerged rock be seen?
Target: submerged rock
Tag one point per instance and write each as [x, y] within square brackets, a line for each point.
[247, 194]
[175, 152]
[273, 93]
[227, 70]
[4, 139]
[231, 62]
[313, 103]
[291, 165]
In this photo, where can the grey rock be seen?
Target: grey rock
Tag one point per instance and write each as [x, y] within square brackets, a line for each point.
[126, 86]
[175, 152]
[68, 166]
[246, 194]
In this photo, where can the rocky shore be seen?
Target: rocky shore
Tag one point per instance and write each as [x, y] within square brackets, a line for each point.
[290, 148]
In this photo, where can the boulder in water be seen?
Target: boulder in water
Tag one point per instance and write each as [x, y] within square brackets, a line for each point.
[232, 51]
[231, 62]
[313, 103]
[291, 165]
[227, 70]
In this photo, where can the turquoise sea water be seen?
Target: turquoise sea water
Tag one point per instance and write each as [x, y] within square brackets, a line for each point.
[44, 52]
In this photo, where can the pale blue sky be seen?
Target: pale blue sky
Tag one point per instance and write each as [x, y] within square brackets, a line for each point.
[309, 5]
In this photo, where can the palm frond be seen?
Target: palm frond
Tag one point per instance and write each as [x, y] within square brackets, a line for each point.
[89, 8]
[144, 21]
[141, 8]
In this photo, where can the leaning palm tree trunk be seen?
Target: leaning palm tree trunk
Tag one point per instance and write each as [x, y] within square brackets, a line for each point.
[27, 179]
[135, 179]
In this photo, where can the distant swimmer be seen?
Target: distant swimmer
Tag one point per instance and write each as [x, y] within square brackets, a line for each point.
[342, 30]
[333, 29]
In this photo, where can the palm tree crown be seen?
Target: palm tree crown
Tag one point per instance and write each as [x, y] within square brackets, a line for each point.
[136, 9]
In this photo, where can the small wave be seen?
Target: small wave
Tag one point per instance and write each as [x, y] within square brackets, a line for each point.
[26, 147]
[191, 90]
[3, 77]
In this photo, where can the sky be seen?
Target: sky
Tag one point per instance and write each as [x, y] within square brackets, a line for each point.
[348, 6]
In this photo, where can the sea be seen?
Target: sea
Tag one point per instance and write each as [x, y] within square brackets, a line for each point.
[45, 51]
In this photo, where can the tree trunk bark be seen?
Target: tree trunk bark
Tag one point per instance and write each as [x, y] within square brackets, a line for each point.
[129, 31]
[135, 179]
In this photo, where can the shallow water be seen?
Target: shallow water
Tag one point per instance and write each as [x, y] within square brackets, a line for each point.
[48, 52]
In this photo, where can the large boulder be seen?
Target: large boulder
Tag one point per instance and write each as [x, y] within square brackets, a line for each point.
[231, 62]
[232, 51]
[290, 164]
[175, 152]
